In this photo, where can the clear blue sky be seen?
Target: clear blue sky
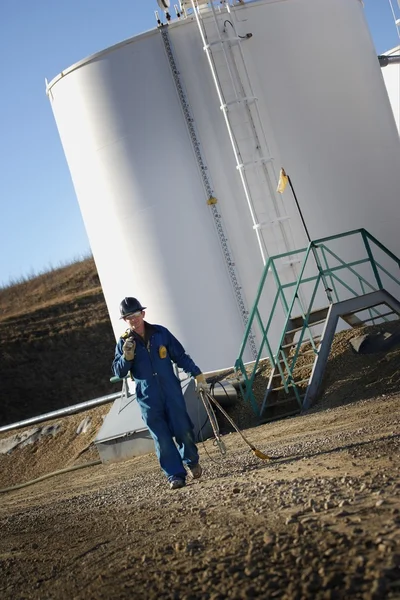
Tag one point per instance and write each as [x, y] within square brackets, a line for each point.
[40, 221]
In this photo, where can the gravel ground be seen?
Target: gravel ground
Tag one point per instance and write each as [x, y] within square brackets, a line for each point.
[320, 521]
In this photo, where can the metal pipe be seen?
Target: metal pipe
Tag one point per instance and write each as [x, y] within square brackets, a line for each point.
[384, 61]
[69, 410]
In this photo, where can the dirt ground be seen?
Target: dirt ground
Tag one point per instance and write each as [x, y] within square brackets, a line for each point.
[319, 521]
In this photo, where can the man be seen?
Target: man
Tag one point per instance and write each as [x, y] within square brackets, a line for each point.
[148, 353]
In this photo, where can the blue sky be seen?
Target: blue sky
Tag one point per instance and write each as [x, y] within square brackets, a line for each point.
[40, 222]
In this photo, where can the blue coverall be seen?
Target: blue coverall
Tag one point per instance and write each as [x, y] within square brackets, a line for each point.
[159, 395]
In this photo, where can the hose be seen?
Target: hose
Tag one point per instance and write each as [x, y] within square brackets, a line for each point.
[48, 475]
[255, 451]
[214, 424]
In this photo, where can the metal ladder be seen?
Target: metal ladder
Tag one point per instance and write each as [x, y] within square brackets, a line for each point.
[207, 184]
[238, 104]
[291, 379]
[293, 387]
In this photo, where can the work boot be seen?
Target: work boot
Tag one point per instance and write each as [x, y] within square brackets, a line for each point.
[176, 483]
[195, 471]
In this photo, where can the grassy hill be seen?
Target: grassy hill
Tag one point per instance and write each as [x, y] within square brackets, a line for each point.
[56, 342]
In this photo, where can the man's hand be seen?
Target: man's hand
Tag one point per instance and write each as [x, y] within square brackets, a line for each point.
[129, 349]
[201, 383]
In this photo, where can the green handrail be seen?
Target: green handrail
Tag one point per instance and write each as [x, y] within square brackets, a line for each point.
[319, 255]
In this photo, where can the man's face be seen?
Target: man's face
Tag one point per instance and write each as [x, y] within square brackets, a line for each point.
[135, 320]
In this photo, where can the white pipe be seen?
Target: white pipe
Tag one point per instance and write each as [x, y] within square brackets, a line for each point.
[69, 410]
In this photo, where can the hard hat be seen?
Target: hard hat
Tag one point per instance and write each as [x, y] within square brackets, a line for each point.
[129, 306]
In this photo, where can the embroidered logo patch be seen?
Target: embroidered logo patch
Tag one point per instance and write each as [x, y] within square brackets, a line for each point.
[162, 352]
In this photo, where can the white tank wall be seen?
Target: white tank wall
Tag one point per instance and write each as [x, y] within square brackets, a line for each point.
[217, 148]
[327, 121]
[391, 77]
[326, 118]
[142, 199]
[315, 70]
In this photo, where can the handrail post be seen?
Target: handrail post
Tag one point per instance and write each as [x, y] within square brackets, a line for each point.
[328, 271]
[371, 259]
[321, 271]
[254, 309]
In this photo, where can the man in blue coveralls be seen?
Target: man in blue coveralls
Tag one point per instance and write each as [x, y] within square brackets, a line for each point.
[147, 352]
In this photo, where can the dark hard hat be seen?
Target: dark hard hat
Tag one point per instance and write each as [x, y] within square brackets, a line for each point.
[129, 306]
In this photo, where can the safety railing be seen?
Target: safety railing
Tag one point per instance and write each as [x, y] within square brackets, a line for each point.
[332, 269]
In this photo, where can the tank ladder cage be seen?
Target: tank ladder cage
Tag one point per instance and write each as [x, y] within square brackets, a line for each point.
[217, 28]
[207, 184]
[363, 291]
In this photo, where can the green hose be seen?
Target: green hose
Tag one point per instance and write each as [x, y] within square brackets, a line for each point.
[66, 470]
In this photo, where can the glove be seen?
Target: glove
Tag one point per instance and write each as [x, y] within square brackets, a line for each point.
[129, 349]
[201, 383]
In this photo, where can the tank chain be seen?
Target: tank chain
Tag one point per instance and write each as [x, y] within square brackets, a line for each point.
[207, 185]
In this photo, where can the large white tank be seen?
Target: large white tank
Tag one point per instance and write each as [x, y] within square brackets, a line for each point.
[324, 116]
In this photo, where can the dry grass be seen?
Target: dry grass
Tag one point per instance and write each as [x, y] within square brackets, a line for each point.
[53, 286]
[56, 342]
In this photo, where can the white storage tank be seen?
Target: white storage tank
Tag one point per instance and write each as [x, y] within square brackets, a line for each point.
[314, 103]
[142, 199]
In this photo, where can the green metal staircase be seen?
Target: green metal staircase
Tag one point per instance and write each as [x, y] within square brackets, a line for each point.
[351, 277]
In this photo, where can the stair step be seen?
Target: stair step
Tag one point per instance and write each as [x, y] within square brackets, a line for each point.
[295, 383]
[284, 401]
[311, 351]
[293, 344]
[268, 419]
[289, 331]
[313, 317]
[352, 320]
[309, 366]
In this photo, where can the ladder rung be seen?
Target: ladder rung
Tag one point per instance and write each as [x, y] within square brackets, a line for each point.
[228, 40]
[254, 163]
[245, 99]
[272, 222]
